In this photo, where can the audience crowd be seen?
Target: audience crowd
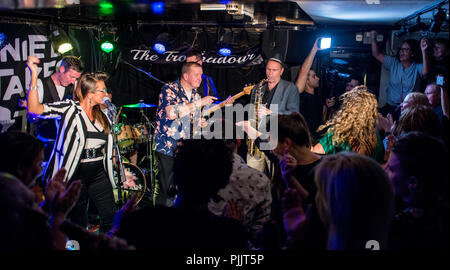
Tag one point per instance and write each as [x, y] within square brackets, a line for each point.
[372, 174]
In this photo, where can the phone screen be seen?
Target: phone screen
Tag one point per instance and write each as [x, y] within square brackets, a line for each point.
[440, 80]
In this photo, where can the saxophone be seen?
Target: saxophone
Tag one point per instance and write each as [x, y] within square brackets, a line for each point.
[252, 148]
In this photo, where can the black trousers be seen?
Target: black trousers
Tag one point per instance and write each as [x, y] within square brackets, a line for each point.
[96, 187]
[165, 180]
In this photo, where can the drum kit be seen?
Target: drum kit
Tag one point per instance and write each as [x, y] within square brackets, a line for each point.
[134, 143]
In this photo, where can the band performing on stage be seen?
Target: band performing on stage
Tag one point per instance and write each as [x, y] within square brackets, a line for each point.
[291, 143]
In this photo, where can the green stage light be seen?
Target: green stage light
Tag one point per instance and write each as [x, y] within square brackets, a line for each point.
[107, 46]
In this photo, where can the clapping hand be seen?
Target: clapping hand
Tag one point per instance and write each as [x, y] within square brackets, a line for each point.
[127, 208]
[295, 219]
[60, 197]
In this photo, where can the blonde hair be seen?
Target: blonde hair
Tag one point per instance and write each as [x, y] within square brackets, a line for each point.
[419, 98]
[354, 123]
[354, 200]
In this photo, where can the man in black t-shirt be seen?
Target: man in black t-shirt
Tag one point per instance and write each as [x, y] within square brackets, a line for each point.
[312, 105]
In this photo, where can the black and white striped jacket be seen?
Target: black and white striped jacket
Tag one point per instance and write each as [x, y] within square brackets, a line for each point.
[71, 140]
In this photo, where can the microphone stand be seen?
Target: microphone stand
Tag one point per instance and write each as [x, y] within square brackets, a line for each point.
[143, 71]
[120, 172]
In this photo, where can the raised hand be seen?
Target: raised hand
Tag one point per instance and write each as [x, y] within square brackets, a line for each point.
[32, 64]
[424, 44]
[373, 34]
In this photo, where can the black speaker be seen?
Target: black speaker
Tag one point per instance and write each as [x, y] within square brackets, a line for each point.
[292, 45]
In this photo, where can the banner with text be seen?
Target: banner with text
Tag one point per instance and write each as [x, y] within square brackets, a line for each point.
[19, 41]
[250, 57]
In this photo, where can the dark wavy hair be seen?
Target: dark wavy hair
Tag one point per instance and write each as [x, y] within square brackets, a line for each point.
[416, 56]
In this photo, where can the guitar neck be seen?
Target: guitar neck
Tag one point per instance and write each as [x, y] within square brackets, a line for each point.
[220, 105]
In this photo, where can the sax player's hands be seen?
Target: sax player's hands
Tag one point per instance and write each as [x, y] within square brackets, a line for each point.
[252, 133]
[263, 111]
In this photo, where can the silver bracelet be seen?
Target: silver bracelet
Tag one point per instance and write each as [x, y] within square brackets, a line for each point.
[33, 88]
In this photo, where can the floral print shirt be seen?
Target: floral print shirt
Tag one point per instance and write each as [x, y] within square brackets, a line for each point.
[169, 132]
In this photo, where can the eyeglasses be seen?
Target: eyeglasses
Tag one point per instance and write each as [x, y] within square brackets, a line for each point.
[405, 49]
[102, 90]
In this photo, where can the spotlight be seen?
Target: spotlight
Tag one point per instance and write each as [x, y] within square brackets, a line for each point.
[105, 8]
[438, 19]
[225, 51]
[161, 43]
[107, 42]
[324, 43]
[159, 48]
[60, 41]
[107, 46]
[225, 42]
[3, 39]
[158, 7]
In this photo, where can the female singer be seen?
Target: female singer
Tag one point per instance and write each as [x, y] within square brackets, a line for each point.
[83, 144]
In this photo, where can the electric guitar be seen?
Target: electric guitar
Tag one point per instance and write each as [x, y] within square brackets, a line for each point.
[245, 91]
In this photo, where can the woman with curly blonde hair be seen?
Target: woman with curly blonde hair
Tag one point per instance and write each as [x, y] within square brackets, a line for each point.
[353, 126]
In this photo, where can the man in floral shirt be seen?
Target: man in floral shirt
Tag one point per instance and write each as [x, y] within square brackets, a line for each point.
[178, 107]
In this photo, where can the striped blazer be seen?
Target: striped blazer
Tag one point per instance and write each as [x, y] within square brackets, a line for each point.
[71, 140]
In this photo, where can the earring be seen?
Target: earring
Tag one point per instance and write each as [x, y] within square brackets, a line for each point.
[90, 101]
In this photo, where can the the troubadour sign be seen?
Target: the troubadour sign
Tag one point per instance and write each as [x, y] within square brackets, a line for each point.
[246, 58]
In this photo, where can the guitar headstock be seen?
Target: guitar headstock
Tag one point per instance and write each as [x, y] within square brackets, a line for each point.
[248, 89]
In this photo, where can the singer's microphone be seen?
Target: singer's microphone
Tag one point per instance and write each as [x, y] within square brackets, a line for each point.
[108, 103]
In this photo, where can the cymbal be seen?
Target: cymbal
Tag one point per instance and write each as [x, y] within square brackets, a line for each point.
[140, 105]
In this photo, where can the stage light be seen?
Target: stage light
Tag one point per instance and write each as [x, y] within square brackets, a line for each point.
[225, 51]
[324, 42]
[105, 8]
[107, 39]
[225, 41]
[3, 39]
[60, 41]
[158, 7]
[159, 48]
[107, 46]
[161, 43]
